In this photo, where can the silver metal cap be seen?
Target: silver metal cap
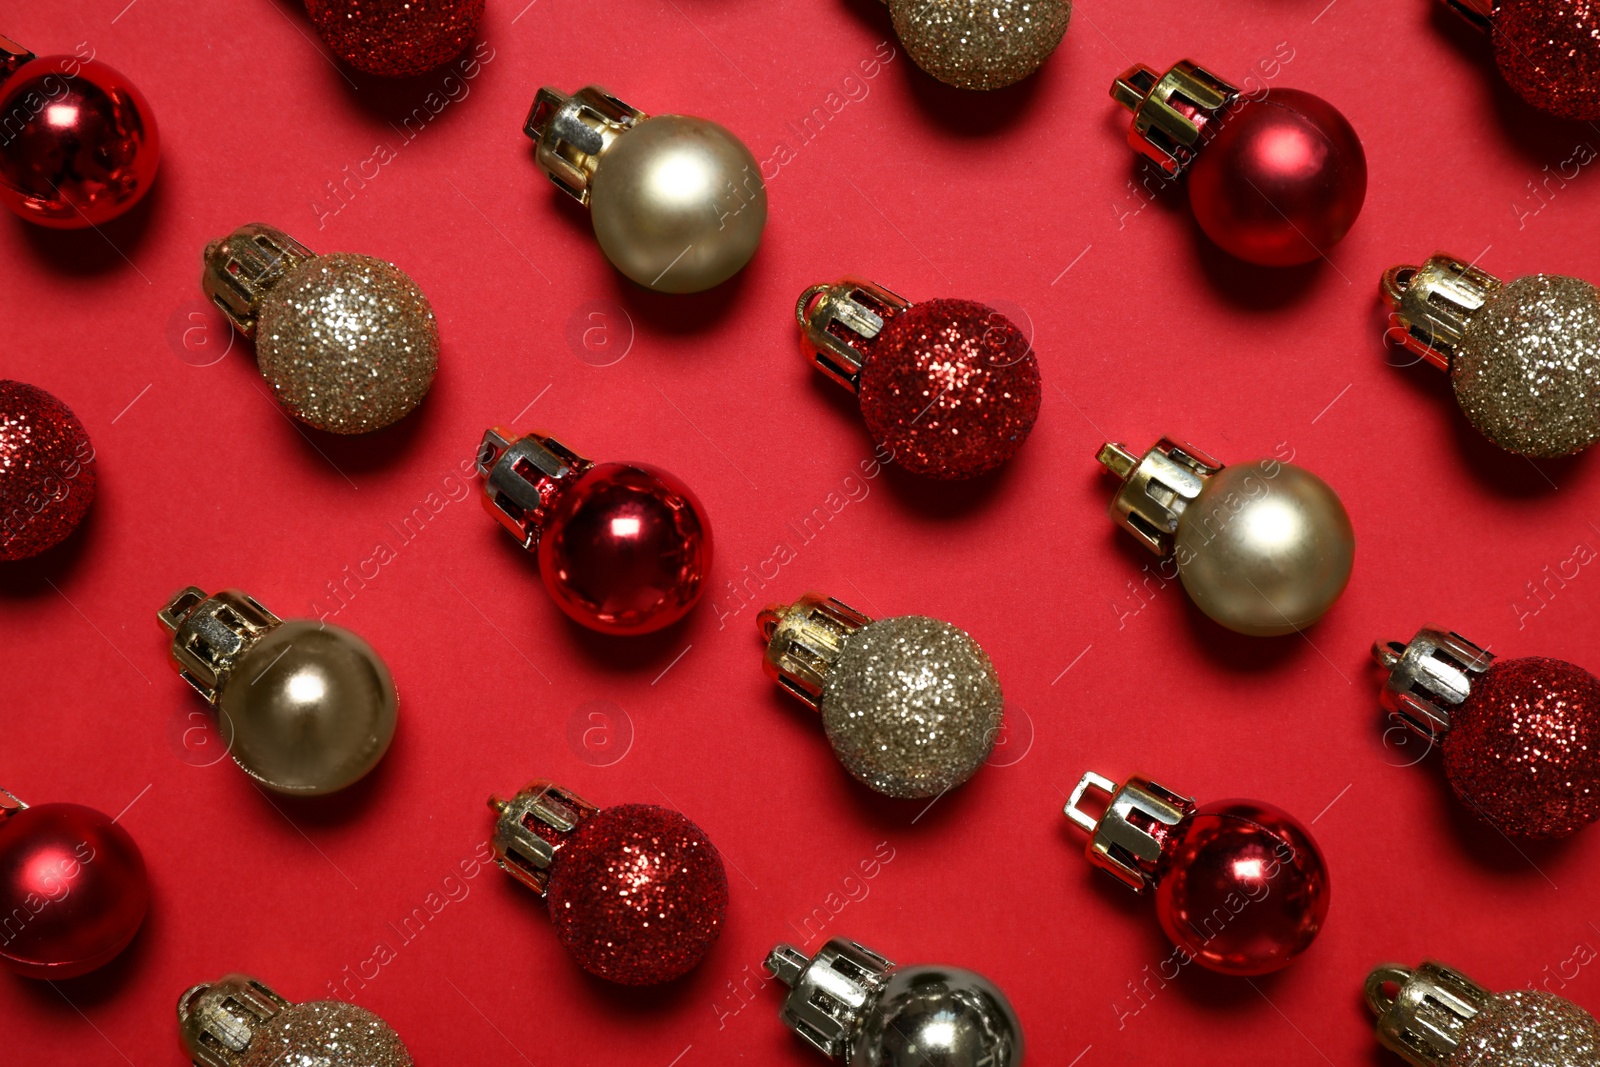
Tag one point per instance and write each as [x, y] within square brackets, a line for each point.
[831, 994]
[1128, 838]
[1428, 677]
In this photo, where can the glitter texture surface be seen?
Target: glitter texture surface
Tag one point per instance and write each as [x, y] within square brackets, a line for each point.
[1524, 749]
[1549, 52]
[47, 476]
[348, 343]
[638, 894]
[396, 38]
[980, 44]
[952, 387]
[912, 706]
[325, 1033]
[1527, 370]
[1528, 1028]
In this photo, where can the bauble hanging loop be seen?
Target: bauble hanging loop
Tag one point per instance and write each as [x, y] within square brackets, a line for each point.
[1549, 52]
[1523, 356]
[80, 142]
[1435, 1016]
[637, 892]
[305, 707]
[1263, 548]
[1519, 738]
[1274, 179]
[856, 1007]
[73, 889]
[47, 471]
[949, 388]
[677, 202]
[1239, 886]
[911, 705]
[238, 1021]
[623, 548]
[980, 44]
[348, 342]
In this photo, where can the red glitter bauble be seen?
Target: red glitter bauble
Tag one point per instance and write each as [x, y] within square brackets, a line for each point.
[626, 549]
[1523, 749]
[46, 471]
[638, 894]
[1242, 887]
[1549, 52]
[396, 38]
[87, 148]
[951, 387]
[73, 890]
[1281, 182]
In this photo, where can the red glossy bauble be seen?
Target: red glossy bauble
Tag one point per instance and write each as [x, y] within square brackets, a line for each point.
[1523, 749]
[951, 387]
[1549, 52]
[626, 549]
[1281, 182]
[47, 473]
[1242, 887]
[396, 38]
[87, 148]
[638, 894]
[73, 890]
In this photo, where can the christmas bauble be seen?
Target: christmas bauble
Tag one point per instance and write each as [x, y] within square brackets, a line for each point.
[911, 705]
[637, 892]
[308, 707]
[623, 548]
[73, 889]
[47, 471]
[80, 143]
[396, 38]
[949, 389]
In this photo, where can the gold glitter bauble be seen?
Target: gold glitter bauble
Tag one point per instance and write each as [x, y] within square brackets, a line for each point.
[980, 44]
[326, 1033]
[348, 342]
[912, 707]
[1527, 369]
[237, 1021]
[1527, 1028]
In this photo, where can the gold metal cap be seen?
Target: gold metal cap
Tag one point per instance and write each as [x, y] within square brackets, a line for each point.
[528, 828]
[1174, 114]
[1156, 488]
[836, 319]
[522, 477]
[243, 267]
[1431, 305]
[1428, 677]
[573, 132]
[804, 640]
[1127, 839]
[217, 1021]
[1424, 1020]
[210, 635]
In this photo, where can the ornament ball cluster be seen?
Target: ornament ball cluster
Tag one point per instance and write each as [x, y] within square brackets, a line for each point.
[948, 390]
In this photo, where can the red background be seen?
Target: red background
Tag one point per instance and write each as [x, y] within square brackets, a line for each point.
[934, 193]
